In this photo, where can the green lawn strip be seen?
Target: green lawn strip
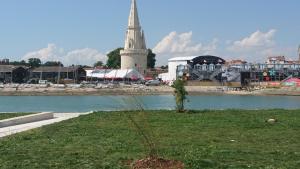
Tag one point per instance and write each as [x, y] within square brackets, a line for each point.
[202, 139]
[4, 116]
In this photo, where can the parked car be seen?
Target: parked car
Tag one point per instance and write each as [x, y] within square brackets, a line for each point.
[152, 83]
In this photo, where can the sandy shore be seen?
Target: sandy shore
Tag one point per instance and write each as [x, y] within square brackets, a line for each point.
[141, 90]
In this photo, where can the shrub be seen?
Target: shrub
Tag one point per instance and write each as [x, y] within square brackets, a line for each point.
[180, 94]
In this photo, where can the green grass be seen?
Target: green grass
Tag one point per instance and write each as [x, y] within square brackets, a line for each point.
[11, 115]
[230, 139]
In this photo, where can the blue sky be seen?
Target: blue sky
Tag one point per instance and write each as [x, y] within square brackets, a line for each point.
[85, 30]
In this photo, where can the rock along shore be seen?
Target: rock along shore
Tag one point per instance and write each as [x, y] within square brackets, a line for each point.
[142, 90]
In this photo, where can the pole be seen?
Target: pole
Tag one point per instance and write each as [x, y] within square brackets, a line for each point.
[58, 74]
[67, 72]
[74, 74]
[41, 74]
[11, 78]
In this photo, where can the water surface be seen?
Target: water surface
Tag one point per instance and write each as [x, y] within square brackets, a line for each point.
[108, 103]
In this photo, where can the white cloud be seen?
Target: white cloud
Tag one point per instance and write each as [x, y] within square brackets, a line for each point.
[176, 44]
[84, 56]
[255, 47]
[257, 40]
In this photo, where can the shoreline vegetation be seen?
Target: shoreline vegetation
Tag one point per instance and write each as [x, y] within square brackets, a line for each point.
[144, 90]
[198, 139]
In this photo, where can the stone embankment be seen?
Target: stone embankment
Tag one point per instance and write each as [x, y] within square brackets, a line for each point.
[117, 89]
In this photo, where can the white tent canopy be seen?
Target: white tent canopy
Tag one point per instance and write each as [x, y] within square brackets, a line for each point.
[114, 74]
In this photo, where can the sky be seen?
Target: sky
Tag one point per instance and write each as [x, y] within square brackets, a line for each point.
[84, 31]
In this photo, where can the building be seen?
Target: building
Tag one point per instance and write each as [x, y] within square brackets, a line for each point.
[134, 55]
[13, 74]
[173, 64]
[276, 60]
[236, 62]
[4, 62]
[199, 68]
[153, 73]
[57, 74]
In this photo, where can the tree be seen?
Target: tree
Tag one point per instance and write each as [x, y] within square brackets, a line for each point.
[151, 59]
[180, 94]
[99, 63]
[114, 59]
[23, 62]
[53, 63]
[34, 62]
[164, 67]
[18, 63]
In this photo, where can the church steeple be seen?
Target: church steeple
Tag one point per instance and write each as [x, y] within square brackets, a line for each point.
[133, 21]
[134, 35]
[299, 53]
[134, 55]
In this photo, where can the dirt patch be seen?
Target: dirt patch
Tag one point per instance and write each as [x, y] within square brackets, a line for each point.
[157, 163]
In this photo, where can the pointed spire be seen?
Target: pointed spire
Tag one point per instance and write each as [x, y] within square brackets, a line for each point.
[134, 55]
[133, 17]
[143, 41]
[299, 53]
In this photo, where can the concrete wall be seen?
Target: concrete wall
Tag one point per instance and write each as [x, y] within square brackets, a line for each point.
[26, 119]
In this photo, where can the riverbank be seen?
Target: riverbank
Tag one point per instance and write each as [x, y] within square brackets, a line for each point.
[144, 90]
[200, 139]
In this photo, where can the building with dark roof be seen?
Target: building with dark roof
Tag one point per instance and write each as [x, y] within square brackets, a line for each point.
[13, 74]
[55, 73]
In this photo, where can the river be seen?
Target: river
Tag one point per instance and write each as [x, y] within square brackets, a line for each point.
[110, 103]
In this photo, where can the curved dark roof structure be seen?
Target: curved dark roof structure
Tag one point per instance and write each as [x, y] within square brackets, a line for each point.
[207, 59]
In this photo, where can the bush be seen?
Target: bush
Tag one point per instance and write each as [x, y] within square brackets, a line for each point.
[180, 94]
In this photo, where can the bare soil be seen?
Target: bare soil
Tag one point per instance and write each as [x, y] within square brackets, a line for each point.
[157, 163]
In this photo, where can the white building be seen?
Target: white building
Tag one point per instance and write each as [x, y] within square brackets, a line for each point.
[173, 63]
[134, 55]
[276, 60]
[179, 65]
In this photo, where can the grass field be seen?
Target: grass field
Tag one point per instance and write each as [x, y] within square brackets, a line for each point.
[230, 139]
[11, 115]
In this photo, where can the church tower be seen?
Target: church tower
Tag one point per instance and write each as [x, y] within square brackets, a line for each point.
[134, 55]
[299, 54]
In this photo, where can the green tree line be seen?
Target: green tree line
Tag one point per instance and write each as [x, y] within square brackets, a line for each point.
[113, 61]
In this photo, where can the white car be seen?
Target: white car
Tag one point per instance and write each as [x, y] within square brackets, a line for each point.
[152, 83]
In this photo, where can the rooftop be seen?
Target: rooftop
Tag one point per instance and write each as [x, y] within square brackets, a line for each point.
[184, 58]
